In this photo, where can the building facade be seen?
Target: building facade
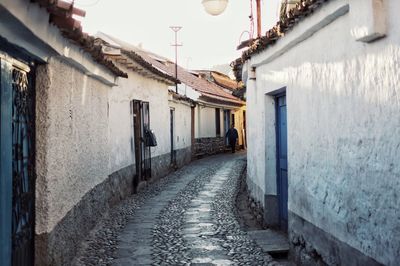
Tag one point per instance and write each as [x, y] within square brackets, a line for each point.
[77, 127]
[214, 108]
[323, 130]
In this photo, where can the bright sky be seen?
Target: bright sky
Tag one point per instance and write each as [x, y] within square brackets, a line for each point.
[207, 40]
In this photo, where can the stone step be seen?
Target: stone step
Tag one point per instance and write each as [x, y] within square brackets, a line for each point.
[271, 241]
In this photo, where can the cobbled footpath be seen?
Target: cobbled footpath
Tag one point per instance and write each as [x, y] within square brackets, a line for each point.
[186, 218]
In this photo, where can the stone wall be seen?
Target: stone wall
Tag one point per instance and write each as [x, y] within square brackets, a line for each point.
[208, 146]
[59, 246]
[310, 245]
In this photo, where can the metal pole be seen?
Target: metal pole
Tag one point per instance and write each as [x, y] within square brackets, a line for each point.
[176, 29]
[258, 18]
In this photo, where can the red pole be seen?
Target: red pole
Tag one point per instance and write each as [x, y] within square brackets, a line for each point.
[258, 18]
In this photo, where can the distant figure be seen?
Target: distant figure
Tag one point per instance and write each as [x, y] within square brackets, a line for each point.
[232, 136]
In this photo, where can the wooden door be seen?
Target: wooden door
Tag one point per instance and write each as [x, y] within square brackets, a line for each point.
[137, 129]
[282, 165]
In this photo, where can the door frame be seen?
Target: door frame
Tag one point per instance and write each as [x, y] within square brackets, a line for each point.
[141, 149]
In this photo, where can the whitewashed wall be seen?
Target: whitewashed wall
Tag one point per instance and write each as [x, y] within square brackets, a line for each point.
[182, 124]
[136, 87]
[343, 128]
[205, 122]
[256, 143]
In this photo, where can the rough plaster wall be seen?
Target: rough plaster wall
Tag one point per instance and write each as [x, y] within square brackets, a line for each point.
[255, 150]
[343, 134]
[43, 84]
[137, 87]
[75, 157]
[182, 125]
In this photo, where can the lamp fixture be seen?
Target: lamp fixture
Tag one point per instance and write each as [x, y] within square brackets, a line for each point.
[215, 7]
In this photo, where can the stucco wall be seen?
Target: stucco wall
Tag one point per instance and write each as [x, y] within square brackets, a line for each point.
[205, 122]
[182, 124]
[73, 132]
[255, 144]
[343, 131]
[137, 87]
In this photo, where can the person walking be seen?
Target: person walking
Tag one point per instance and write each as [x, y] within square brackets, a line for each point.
[232, 136]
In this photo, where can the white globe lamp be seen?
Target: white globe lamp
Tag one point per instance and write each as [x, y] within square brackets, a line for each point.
[215, 7]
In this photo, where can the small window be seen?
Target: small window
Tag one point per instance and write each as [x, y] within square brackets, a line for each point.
[217, 122]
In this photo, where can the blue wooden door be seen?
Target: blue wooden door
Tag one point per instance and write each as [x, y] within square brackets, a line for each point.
[282, 166]
[16, 165]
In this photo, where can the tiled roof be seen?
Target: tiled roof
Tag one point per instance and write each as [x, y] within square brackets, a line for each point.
[222, 80]
[163, 64]
[285, 24]
[225, 81]
[201, 85]
[61, 14]
[135, 56]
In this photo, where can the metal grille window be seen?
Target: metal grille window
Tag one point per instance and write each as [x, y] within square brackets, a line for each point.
[17, 164]
[23, 172]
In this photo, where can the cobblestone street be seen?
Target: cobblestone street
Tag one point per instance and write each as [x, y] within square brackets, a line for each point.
[186, 218]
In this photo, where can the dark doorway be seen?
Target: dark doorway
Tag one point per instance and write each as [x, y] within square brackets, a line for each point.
[141, 124]
[172, 134]
[193, 127]
[17, 163]
[217, 122]
[227, 123]
[282, 165]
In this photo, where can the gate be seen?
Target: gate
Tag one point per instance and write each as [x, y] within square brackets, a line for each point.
[17, 200]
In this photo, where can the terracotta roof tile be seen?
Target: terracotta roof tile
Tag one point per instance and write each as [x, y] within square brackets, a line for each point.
[140, 60]
[198, 84]
[225, 81]
[61, 13]
[285, 24]
[164, 65]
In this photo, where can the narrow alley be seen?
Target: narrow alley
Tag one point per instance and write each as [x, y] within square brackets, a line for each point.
[199, 133]
[186, 218]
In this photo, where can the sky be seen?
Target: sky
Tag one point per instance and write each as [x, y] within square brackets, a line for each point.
[207, 40]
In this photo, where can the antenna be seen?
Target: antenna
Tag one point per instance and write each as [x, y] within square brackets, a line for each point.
[176, 44]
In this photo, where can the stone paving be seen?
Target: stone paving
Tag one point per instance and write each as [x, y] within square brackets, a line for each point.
[187, 218]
